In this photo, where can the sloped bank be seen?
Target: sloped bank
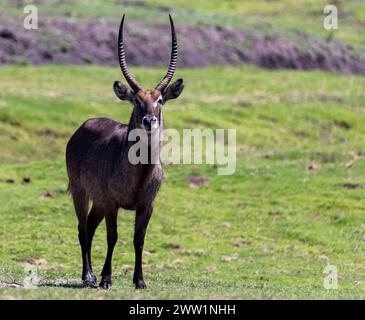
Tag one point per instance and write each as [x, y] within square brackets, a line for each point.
[59, 41]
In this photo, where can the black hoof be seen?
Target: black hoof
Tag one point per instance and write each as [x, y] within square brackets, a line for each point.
[106, 282]
[140, 284]
[90, 280]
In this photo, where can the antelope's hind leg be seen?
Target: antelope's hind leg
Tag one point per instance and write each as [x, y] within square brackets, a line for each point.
[81, 203]
[93, 220]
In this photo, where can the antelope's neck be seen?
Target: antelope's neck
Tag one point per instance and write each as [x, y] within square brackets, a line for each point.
[143, 149]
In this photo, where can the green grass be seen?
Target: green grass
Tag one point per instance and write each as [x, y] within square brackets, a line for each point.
[278, 222]
[283, 16]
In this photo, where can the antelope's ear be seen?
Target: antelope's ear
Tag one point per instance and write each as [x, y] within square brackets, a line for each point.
[122, 91]
[174, 90]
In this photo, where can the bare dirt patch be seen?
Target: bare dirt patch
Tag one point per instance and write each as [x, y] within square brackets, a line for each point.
[197, 181]
[352, 185]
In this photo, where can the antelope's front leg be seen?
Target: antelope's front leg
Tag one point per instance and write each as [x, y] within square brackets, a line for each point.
[142, 219]
[112, 237]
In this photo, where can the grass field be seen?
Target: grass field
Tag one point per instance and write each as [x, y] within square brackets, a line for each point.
[295, 204]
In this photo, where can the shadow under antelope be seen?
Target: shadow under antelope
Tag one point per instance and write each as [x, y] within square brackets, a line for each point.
[99, 169]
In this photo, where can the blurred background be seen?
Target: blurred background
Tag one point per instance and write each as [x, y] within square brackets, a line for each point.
[294, 92]
[271, 34]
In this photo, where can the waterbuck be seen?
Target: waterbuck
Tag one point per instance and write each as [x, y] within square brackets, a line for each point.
[99, 169]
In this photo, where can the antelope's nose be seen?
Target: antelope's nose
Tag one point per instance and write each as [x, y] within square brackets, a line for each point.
[149, 122]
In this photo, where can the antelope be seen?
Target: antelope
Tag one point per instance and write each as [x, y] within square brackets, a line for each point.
[99, 169]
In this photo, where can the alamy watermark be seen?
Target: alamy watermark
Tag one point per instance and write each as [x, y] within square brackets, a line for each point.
[31, 279]
[31, 19]
[330, 281]
[194, 146]
[331, 20]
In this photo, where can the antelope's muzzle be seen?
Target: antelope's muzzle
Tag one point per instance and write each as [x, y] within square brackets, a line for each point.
[149, 123]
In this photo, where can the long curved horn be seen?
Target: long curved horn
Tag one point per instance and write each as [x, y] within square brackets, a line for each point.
[170, 72]
[123, 64]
